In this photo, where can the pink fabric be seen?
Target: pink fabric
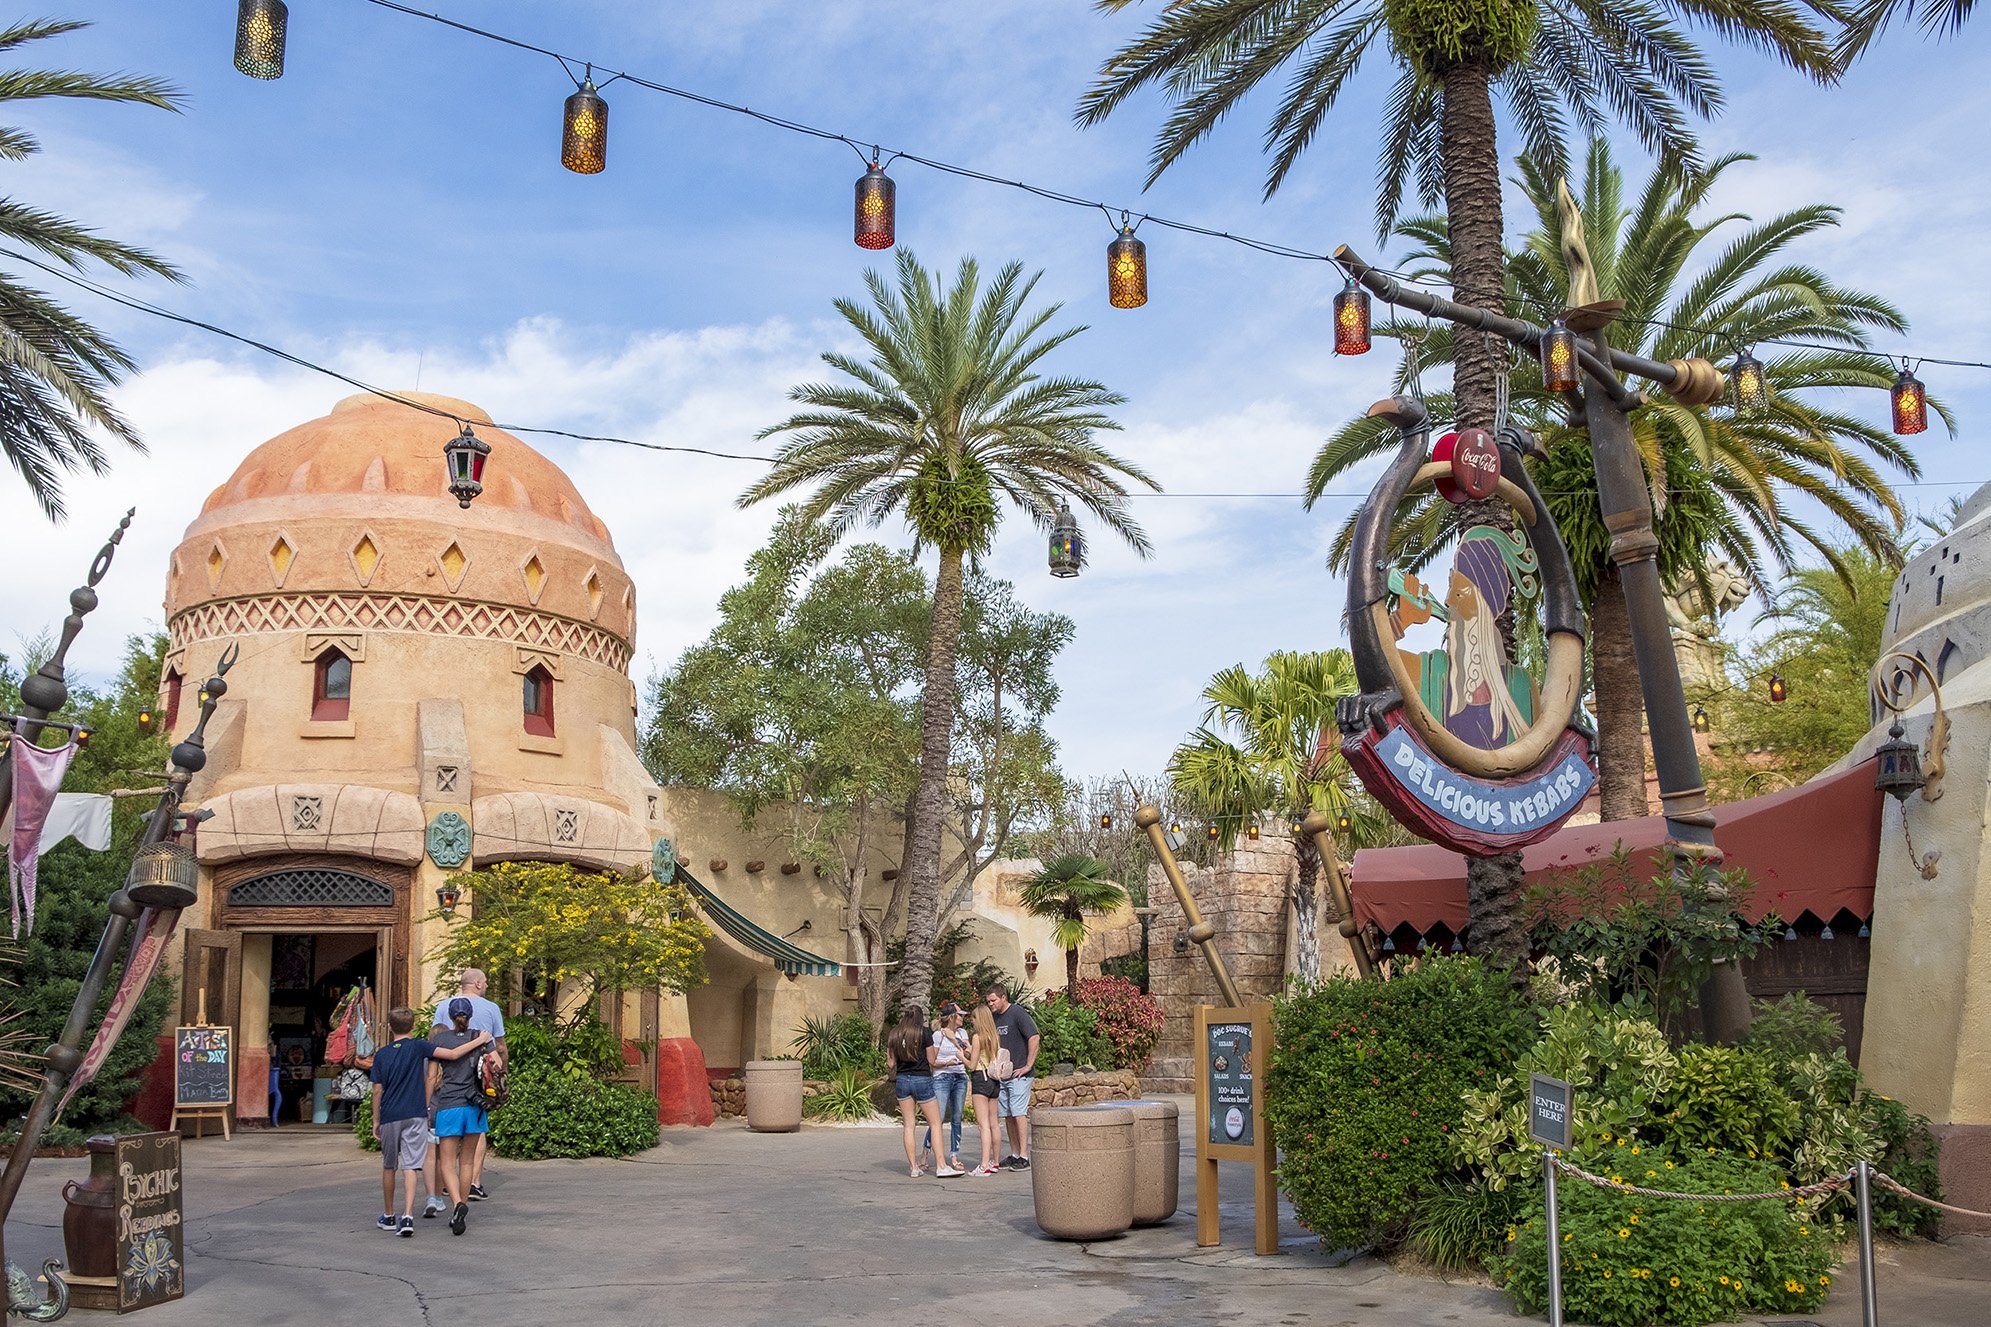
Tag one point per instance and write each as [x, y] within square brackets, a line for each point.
[38, 775]
[148, 945]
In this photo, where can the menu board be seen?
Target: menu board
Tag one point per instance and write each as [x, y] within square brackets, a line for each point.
[203, 1066]
[1227, 1064]
[151, 1245]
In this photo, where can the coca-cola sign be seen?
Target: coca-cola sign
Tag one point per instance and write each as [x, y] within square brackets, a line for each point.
[1475, 465]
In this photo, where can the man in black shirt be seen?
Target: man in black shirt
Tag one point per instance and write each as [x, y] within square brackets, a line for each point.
[1018, 1034]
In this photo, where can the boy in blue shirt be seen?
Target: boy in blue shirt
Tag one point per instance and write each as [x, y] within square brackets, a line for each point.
[401, 1111]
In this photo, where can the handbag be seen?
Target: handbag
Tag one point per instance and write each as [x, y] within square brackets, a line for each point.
[363, 1043]
[352, 1085]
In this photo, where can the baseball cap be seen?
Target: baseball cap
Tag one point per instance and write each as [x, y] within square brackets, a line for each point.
[459, 1008]
[950, 1010]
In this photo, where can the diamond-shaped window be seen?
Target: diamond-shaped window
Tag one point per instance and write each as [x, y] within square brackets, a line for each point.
[281, 556]
[534, 572]
[217, 558]
[454, 562]
[594, 588]
[366, 557]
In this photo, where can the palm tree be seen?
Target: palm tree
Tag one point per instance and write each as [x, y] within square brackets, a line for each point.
[1262, 757]
[1720, 480]
[1068, 889]
[948, 417]
[54, 367]
[1581, 59]
[1940, 18]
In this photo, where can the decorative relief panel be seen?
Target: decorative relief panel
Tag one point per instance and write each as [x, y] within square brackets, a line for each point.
[449, 840]
[431, 614]
[307, 813]
[566, 825]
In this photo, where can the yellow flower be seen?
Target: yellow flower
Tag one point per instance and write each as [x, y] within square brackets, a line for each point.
[1674, 1281]
[1623, 1233]
[1669, 1165]
[1621, 1142]
[1651, 1173]
[1825, 1280]
[1634, 1151]
[1607, 1275]
[1802, 1231]
[1792, 1286]
[1634, 1220]
[1787, 1184]
[1724, 1280]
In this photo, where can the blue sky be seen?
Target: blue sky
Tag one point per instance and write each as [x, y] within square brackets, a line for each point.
[394, 206]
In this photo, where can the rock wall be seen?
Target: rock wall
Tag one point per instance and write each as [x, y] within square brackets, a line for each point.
[1085, 1089]
[729, 1094]
[1245, 897]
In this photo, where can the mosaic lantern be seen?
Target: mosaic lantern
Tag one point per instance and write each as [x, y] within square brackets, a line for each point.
[1559, 358]
[1900, 770]
[446, 898]
[1911, 403]
[1752, 389]
[1127, 271]
[464, 457]
[584, 141]
[1067, 545]
[259, 32]
[1351, 320]
[163, 876]
[877, 209]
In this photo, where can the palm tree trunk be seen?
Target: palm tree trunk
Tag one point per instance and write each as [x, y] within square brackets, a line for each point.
[1306, 935]
[936, 743]
[1620, 705]
[1471, 159]
[1071, 975]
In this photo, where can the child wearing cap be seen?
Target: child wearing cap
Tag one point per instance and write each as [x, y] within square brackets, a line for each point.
[458, 1103]
[950, 1083]
[400, 1072]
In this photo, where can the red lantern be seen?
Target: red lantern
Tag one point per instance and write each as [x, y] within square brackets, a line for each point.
[1351, 320]
[877, 209]
[1911, 403]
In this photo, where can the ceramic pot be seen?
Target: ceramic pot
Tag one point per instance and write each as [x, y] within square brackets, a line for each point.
[90, 1221]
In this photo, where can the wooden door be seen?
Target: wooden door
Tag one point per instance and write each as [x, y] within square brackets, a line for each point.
[212, 978]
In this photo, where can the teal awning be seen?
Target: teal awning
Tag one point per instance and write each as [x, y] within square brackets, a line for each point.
[791, 960]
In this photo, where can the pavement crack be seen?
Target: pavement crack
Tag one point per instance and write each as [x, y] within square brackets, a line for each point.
[421, 1301]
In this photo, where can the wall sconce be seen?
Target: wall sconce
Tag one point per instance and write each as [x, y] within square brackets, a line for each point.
[1106, 820]
[1030, 962]
[446, 897]
[1182, 942]
[1701, 723]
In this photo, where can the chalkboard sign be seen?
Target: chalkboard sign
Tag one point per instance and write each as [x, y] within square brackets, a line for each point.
[203, 1067]
[1229, 1067]
[151, 1248]
[1550, 1105]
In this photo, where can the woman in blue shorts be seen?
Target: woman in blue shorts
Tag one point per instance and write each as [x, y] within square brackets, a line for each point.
[911, 1045]
[458, 1102]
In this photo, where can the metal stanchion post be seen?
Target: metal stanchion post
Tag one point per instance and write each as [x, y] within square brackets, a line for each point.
[1869, 1299]
[1555, 1242]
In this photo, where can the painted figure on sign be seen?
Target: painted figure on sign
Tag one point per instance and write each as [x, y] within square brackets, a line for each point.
[1469, 684]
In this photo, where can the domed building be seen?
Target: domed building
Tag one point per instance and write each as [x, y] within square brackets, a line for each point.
[420, 688]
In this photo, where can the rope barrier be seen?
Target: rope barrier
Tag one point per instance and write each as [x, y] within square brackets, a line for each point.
[1808, 1191]
[1888, 1181]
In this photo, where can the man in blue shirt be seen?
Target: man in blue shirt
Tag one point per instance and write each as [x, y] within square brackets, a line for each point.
[401, 1111]
[484, 1017]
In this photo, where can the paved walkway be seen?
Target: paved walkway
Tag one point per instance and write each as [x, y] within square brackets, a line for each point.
[720, 1226]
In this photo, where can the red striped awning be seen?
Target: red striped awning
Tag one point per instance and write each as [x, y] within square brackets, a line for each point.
[1813, 848]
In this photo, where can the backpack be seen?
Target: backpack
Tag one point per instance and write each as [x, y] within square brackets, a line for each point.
[489, 1075]
[1000, 1067]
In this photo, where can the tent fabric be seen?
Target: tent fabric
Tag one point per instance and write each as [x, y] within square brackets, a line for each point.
[794, 961]
[1814, 848]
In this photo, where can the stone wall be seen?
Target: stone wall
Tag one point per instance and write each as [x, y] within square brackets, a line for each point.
[1245, 897]
[1084, 1089]
[729, 1094]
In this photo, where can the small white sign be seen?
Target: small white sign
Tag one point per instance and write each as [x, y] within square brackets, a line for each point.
[1234, 1122]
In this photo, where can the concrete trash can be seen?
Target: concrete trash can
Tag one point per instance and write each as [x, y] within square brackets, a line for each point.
[1082, 1169]
[774, 1096]
[1157, 1160]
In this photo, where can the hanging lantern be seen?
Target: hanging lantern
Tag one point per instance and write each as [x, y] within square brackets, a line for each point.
[584, 142]
[1344, 823]
[1777, 692]
[1701, 723]
[1067, 544]
[1752, 389]
[1458, 944]
[1251, 831]
[1559, 358]
[1900, 768]
[164, 876]
[1790, 932]
[1389, 944]
[464, 457]
[877, 209]
[1351, 320]
[1127, 271]
[1106, 820]
[1212, 833]
[446, 898]
[1911, 403]
[1029, 962]
[1866, 932]
[259, 31]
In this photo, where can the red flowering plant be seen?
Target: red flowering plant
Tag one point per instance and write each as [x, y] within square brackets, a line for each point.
[1129, 1017]
[1366, 1087]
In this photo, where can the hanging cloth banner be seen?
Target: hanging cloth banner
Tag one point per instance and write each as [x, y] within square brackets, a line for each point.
[148, 946]
[38, 775]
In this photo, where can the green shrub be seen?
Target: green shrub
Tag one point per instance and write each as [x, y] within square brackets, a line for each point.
[1071, 1035]
[583, 1047]
[1793, 1028]
[1462, 1226]
[1726, 1098]
[1629, 1260]
[1127, 1017]
[1840, 1121]
[552, 1115]
[363, 1124]
[1365, 1089]
[829, 1045]
[848, 1097]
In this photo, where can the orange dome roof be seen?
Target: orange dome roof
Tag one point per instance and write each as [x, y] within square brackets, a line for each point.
[369, 444]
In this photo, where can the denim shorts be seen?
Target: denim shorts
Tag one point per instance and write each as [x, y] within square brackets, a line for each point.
[1015, 1096]
[917, 1086]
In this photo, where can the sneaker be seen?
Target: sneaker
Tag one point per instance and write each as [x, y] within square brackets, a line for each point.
[477, 1194]
[407, 1227]
[985, 1170]
[437, 1205]
[1022, 1163]
[385, 1223]
[460, 1219]
[948, 1172]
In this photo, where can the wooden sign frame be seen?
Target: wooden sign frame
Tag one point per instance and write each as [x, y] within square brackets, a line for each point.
[1256, 1145]
[201, 1111]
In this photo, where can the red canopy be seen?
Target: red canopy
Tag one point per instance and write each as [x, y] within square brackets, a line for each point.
[1813, 848]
